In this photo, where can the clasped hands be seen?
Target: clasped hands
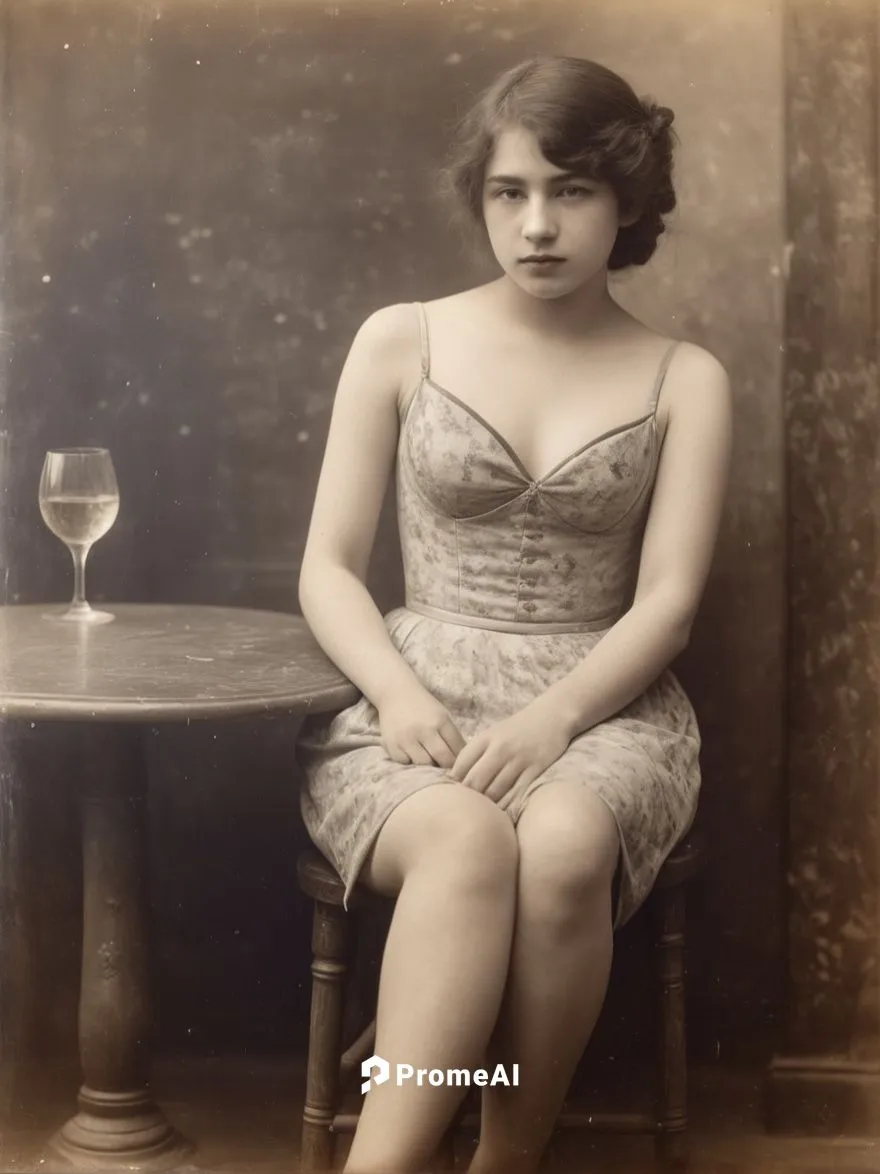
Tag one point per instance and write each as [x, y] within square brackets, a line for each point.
[418, 729]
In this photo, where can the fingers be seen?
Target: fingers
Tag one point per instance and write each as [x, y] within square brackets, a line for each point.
[502, 783]
[423, 738]
[485, 770]
[451, 734]
[439, 750]
[408, 754]
[492, 779]
[467, 759]
[428, 747]
[418, 755]
[442, 743]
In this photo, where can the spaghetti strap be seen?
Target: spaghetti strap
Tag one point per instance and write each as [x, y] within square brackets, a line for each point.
[661, 375]
[423, 335]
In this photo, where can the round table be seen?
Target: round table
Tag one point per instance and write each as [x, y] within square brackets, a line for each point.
[152, 664]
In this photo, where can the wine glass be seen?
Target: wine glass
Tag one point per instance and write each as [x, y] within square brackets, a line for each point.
[79, 501]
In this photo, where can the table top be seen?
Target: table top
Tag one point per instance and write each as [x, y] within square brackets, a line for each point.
[164, 662]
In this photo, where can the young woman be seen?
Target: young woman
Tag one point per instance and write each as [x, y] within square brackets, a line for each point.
[522, 760]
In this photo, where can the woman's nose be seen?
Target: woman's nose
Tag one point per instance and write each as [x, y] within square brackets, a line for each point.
[538, 223]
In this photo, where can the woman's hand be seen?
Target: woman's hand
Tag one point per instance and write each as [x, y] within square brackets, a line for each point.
[517, 749]
[416, 728]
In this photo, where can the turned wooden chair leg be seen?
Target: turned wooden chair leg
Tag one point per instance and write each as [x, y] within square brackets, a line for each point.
[671, 1145]
[330, 954]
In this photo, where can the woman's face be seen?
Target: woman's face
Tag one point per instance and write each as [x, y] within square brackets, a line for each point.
[531, 207]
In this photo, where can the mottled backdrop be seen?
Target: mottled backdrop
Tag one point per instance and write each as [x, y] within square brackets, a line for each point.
[204, 199]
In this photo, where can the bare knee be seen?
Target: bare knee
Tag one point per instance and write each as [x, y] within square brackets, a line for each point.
[449, 833]
[473, 844]
[568, 850]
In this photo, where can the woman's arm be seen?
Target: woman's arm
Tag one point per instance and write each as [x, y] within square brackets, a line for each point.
[677, 549]
[357, 465]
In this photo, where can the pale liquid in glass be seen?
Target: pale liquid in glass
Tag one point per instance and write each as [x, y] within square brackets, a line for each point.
[80, 520]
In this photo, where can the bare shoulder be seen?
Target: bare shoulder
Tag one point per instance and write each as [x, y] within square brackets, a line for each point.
[693, 366]
[385, 346]
[390, 331]
[697, 387]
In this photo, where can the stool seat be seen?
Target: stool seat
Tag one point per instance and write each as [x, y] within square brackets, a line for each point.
[318, 879]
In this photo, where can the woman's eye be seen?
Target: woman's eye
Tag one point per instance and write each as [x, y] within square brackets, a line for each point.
[507, 194]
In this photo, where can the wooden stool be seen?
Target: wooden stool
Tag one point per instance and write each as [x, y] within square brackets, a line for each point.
[330, 1070]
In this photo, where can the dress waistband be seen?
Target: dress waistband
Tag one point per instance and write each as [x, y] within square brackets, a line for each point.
[523, 627]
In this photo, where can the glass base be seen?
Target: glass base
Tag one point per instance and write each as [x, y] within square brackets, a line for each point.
[79, 615]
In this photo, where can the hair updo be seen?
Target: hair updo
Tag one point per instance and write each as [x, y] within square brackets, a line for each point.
[587, 120]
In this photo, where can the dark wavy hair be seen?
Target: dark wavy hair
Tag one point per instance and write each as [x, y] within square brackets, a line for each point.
[587, 120]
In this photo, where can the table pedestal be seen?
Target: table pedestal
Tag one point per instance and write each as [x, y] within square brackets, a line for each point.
[154, 663]
[118, 1124]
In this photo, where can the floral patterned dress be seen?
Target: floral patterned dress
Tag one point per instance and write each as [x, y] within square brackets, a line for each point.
[510, 581]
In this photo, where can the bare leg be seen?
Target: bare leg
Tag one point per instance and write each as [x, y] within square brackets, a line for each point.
[560, 962]
[451, 855]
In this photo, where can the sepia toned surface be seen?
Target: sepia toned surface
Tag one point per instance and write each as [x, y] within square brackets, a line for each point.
[828, 1075]
[164, 662]
[153, 663]
[205, 200]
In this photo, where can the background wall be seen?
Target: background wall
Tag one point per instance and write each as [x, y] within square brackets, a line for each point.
[204, 199]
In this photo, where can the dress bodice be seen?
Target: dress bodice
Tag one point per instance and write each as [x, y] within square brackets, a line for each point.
[485, 542]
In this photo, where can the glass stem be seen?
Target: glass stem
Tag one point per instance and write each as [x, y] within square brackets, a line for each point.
[80, 552]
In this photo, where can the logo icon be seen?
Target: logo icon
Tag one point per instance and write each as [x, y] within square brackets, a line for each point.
[375, 1069]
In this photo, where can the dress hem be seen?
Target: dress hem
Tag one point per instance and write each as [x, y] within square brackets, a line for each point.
[360, 858]
[625, 887]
